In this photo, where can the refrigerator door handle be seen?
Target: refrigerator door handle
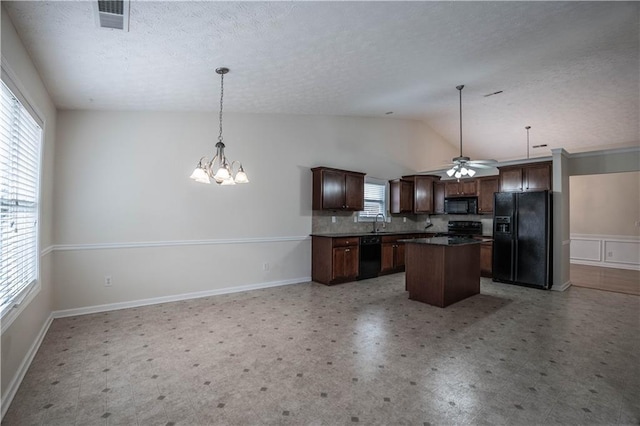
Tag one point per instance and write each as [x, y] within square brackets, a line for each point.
[514, 235]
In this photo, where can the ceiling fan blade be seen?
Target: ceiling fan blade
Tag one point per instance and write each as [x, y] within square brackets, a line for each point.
[480, 166]
[483, 161]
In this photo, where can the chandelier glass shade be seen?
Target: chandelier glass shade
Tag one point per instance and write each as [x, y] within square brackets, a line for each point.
[219, 168]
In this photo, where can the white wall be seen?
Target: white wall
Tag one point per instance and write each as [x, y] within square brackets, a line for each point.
[21, 338]
[122, 179]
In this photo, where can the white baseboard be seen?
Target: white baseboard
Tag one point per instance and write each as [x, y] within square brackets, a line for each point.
[24, 366]
[174, 298]
[627, 266]
[561, 287]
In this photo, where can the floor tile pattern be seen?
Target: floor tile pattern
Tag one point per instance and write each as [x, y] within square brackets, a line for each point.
[355, 353]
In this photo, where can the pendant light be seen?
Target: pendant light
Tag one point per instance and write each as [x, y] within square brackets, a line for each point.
[528, 128]
[461, 166]
[219, 168]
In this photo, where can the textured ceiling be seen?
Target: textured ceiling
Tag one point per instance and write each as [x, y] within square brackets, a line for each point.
[568, 69]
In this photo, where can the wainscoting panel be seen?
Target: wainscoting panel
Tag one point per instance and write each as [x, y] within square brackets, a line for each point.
[611, 251]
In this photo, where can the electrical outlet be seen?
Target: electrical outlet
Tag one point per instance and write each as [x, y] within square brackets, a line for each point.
[107, 281]
[265, 266]
[333, 219]
[610, 254]
[404, 219]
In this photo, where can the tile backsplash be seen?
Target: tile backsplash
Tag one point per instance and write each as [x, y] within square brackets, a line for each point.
[322, 222]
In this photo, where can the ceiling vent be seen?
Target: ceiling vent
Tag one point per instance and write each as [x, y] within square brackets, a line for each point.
[112, 14]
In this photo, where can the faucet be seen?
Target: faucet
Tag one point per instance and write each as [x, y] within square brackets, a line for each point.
[375, 223]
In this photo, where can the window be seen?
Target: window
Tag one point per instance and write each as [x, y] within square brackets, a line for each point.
[374, 200]
[20, 140]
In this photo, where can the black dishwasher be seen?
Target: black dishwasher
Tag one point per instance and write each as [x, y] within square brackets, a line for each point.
[370, 256]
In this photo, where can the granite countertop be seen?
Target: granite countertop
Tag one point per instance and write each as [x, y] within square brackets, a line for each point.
[363, 234]
[444, 241]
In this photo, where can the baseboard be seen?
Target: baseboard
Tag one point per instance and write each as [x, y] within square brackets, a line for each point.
[627, 266]
[561, 287]
[5, 402]
[174, 298]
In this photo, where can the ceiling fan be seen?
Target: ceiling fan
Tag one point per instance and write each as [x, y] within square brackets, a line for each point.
[463, 166]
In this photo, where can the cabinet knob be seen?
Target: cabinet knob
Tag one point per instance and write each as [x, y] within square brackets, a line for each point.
[346, 250]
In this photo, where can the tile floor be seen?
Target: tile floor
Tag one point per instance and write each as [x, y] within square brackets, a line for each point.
[356, 353]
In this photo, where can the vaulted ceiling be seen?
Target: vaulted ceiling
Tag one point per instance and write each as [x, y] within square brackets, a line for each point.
[568, 69]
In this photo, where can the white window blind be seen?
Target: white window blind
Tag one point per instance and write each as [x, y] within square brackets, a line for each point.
[20, 141]
[374, 200]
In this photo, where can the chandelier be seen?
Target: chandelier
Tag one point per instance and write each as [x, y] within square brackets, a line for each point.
[219, 168]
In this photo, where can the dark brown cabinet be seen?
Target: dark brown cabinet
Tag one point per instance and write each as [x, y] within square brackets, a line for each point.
[335, 189]
[526, 177]
[334, 260]
[438, 197]
[486, 256]
[401, 196]
[487, 186]
[392, 255]
[462, 188]
[422, 192]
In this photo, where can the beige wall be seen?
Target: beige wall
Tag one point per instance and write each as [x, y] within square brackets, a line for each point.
[122, 178]
[24, 331]
[605, 204]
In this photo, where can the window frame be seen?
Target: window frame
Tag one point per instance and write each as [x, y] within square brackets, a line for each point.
[21, 300]
[385, 200]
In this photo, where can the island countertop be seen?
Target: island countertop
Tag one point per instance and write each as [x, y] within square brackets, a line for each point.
[445, 241]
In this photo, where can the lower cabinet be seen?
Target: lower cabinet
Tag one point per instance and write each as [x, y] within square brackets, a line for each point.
[392, 257]
[486, 254]
[345, 263]
[334, 260]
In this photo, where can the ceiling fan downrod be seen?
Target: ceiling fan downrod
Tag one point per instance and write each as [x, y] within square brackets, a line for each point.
[460, 91]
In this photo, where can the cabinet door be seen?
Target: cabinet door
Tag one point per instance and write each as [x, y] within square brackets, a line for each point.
[345, 262]
[438, 197]
[354, 191]
[469, 187]
[511, 180]
[486, 188]
[452, 189]
[423, 191]
[486, 250]
[387, 257]
[538, 177]
[399, 255]
[406, 196]
[333, 190]
[352, 262]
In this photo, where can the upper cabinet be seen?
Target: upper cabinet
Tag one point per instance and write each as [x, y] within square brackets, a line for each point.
[422, 192]
[438, 197]
[525, 177]
[465, 187]
[401, 196]
[487, 186]
[335, 189]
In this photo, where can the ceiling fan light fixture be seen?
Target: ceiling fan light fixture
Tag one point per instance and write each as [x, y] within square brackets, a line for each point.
[450, 172]
[471, 172]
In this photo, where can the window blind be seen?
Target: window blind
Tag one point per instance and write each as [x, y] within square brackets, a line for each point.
[374, 200]
[20, 142]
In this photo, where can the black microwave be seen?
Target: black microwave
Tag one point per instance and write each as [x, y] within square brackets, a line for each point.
[461, 205]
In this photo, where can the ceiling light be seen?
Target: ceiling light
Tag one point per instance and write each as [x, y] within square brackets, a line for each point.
[219, 168]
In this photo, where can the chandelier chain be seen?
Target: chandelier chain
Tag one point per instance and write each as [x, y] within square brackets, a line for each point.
[221, 97]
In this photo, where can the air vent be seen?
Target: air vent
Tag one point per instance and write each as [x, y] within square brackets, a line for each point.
[112, 14]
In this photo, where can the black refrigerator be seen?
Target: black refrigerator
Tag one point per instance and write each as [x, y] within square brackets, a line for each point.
[522, 238]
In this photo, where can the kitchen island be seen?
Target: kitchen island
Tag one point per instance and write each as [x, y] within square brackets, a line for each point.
[441, 271]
